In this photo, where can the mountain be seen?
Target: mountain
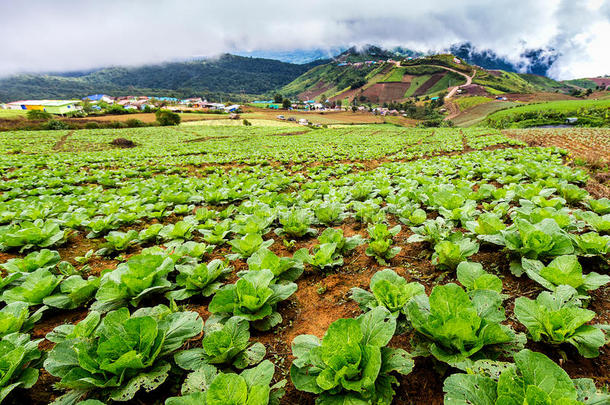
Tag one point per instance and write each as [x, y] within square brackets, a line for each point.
[225, 76]
[375, 76]
[296, 56]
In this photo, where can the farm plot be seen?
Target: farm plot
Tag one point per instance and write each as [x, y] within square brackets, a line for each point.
[591, 144]
[368, 265]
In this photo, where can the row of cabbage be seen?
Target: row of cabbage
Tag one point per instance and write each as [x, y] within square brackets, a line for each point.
[525, 202]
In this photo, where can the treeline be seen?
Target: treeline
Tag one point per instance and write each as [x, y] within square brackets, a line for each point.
[228, 76]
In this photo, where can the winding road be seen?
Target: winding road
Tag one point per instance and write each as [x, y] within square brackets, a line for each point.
[451, 107]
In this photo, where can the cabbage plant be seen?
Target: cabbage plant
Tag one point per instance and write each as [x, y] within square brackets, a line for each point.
[544, 239]
[140, 276]
[283, 268]
[18, 356]
[114, 357]
[380, 243]
[32, 288]
[454, 250]
[42, 259]
[457, 329]
[388, 290]
[15, 317]
[225, 344]
[558, 317]
[247, 245]
[253, 297]
[352, 363]
[199, 278]
[26, 235]
[564, 270]
[210, 387]
[532, 379]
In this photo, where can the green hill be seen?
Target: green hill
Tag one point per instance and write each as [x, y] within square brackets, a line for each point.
[213, 78]
[366, 79]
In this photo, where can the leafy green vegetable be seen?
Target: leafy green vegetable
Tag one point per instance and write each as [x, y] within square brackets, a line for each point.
[330, 213]
[591, 244]
[26, 235]
[599, 223]
[487, 223]
[43, 259]
[32, 288]
[449, 253]
[217, 234]
[226, 344]
[455, 328]
[388, 290]
[564, 270]
[473, 277]
[74, 291]
[352, 363]
[325, 256]
[139, 277]
[253, 297]
[344, 244]
[247, 245]
[118, 242]
[151, 233]
[432, 231]
[121, 354]
[17, 354]
[601, 206]
[207, 386]
[15, 317]
[543, 239]
[533, 379]
[558, 317]
[380, 242]
[296, 224]
[181, 230]
[199, 278]
[283, 268]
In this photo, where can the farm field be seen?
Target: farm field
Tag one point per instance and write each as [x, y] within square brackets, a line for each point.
[11, 114]
[588, 112]
[476, 115]
[366, 264]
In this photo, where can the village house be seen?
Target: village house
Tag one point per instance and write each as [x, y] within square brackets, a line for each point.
[58, 107]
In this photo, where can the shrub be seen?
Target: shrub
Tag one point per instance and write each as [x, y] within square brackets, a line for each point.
[92, 125]
[38, 115]
[55, 125]
[135, 123]
[167, 118]
[116, 125]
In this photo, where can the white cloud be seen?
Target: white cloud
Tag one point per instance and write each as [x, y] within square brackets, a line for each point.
[42, 35]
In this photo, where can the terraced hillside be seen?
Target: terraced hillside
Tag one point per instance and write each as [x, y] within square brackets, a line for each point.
[396, 81]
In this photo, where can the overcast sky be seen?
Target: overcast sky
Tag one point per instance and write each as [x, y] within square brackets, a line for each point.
[63, 35]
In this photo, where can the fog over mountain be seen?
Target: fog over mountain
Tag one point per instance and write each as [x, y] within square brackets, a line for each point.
[570, 36]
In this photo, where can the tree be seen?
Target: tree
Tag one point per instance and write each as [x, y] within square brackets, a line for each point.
[278, 98]
[87, 108]
[286, 104]
[167, 118]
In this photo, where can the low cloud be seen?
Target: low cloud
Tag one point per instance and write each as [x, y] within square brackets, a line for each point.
[66, 35]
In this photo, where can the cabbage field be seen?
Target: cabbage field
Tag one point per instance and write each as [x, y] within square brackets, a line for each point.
[228, 265]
